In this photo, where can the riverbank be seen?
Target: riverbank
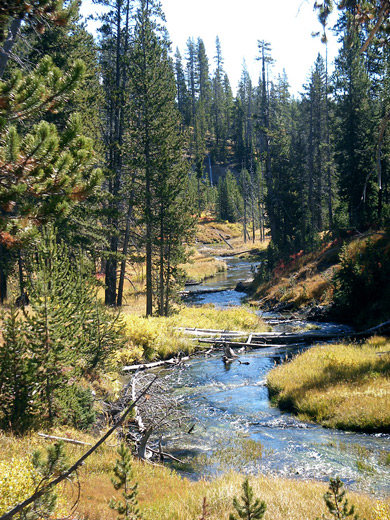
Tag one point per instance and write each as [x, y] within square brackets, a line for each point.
[345, 279]
[157, 338]
[338, 386]
[164, 495]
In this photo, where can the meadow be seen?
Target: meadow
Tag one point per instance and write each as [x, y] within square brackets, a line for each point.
[344, 386]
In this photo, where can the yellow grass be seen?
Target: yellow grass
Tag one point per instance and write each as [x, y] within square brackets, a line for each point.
[163, 495]
[202, 266]
[158, 338]
[210, 317]
[339, 386]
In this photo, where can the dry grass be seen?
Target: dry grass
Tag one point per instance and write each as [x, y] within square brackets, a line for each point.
[210, 317]
[163, 495]
[308, 277]
[200, 267]
[210, 232]
[157, 337]
[339, 386]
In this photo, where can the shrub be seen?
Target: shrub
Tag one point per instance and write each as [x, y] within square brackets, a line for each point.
[17, 482]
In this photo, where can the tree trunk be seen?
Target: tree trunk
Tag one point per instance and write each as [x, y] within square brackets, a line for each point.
[9, 43]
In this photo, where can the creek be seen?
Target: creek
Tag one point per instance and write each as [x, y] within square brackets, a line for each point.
[236, 427]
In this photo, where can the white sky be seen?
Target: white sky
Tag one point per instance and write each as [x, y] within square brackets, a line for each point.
[286, 24]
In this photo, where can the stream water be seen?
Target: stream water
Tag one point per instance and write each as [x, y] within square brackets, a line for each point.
[236, 426]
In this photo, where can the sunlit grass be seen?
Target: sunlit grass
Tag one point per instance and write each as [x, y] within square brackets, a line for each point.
[339, 386]
[201, 267]
[210, 317]
[164, 495]
[159, 338]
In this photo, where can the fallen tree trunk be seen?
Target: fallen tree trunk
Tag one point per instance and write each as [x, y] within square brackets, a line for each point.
[65, 439]
[222, 343]
[144, 366]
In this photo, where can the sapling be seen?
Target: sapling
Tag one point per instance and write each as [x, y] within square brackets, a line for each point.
[336, 502]
[47, 467]
[123, 475]
[250, 509]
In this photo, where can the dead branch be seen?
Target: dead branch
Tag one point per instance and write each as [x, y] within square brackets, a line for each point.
[144, 366]
[65, 439]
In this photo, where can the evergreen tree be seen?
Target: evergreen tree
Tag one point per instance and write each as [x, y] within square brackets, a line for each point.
[354, 149]
[250, 509]
[157, 150]
[18, 401]
[182, 96]
[230, 202]
[244, 117]
[43, 171]
[38, 15]
[67, 332]
[115, 48]
[336, 502]
[315, 105]
[123, 476]
[219, 105]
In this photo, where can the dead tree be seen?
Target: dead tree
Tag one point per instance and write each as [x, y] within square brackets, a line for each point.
[156, 412]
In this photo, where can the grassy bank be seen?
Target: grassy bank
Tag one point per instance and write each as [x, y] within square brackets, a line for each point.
[201, 266]
[338, 386]
[163, 495]
[158, 337]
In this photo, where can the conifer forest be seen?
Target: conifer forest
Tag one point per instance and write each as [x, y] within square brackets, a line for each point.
[135, 178]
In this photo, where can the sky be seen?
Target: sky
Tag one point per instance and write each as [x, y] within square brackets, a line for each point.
[239, 24]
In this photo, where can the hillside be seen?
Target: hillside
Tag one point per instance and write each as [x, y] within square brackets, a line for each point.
[345, 279]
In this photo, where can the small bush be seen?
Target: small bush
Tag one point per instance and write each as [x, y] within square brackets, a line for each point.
[17, 482]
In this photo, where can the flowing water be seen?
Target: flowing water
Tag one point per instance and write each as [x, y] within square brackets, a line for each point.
[236, 426]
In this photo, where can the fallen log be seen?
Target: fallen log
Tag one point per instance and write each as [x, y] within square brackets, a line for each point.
[224, 239]
[221, 342]
[211, 331]
[154, 364]
[65, 439]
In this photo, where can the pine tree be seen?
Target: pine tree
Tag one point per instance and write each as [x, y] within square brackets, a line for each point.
[157, 151]
[123, 476]
[182, 95]
[37, 15]
[18, 401]
[336, 502]
[250, 509]
[43, 171]
[315, 105]
[115, 48]
[67, 331]
[354, 150]
[230, 202]
[219, 105]
[46, 467]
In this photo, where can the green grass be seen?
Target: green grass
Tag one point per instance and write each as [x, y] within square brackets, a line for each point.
[339, 386]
